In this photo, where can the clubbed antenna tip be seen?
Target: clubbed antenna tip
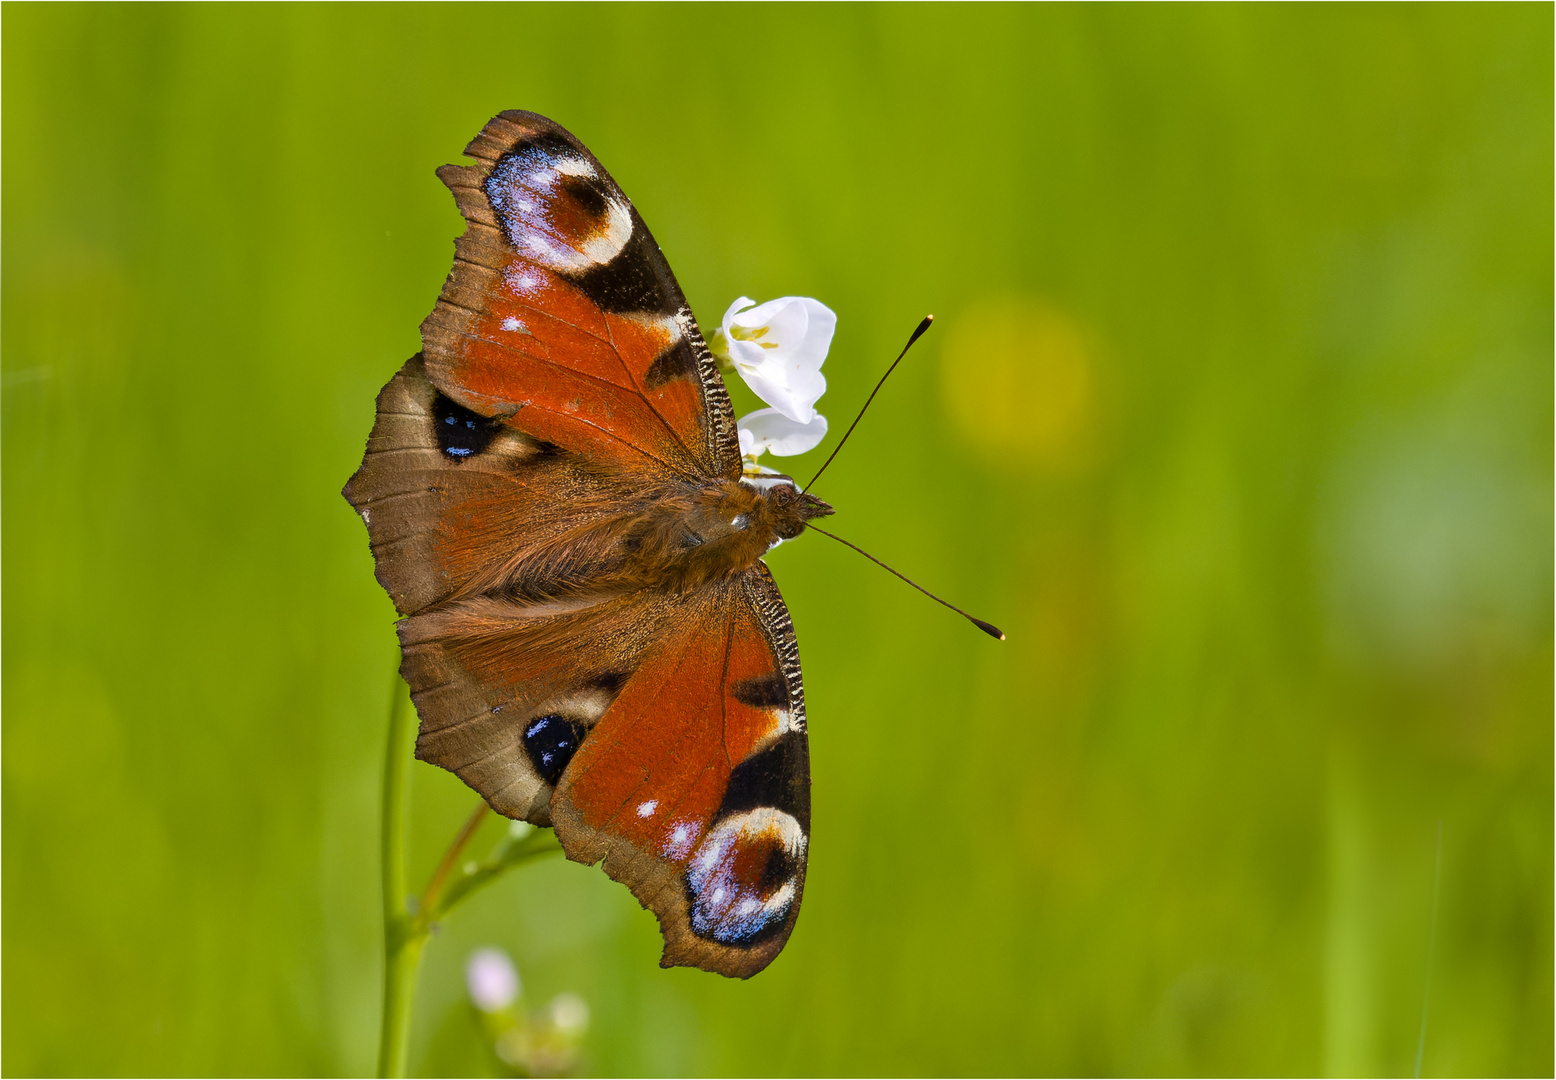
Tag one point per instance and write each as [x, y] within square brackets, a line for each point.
[988, 628]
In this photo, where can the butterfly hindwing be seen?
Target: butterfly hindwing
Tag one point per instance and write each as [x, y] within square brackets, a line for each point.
[694, 786]
[508, 692]
[665, 735]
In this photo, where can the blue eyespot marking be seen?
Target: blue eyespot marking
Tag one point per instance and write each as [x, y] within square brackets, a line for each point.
[743, 879]
[551, 741]
[461, 433]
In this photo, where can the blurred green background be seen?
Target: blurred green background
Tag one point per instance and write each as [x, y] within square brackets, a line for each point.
[1237, 416]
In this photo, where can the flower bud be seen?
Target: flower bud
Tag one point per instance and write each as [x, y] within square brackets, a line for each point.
[569, 1015]
[492, 980]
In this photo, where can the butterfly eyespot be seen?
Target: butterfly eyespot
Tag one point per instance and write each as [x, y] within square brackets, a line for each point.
[461, 433]
[551, 741]
[743, 880]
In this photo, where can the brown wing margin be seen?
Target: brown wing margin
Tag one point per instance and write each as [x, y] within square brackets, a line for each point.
[694, 787]
[562, 317]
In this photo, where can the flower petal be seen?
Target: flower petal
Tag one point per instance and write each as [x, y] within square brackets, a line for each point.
[754, 316]
[769, 385]
[743, 302]
[821, 324]
[770, 429]
[748, 353]
[785, 326]
[807, 386]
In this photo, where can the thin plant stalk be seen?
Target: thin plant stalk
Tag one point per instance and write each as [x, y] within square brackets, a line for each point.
[402, 949]
[406, 928]
[1431, 948]
[429, 899]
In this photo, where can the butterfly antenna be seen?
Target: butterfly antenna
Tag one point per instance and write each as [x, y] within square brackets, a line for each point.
[918, 333]
[987, 627]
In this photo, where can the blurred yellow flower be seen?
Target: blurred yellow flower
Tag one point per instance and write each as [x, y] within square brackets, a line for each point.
[1020, 381]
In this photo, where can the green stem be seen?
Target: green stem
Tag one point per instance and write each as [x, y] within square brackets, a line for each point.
[402, 942]
[400, 962]
[1431, 947]
[429, 899]
[405, 931]
[519, 845]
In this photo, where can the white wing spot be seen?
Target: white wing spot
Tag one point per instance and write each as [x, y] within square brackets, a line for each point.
[573, 166]
[511, 324]
[521, 282]
[644, 809]
[681, 840]
[610, 235]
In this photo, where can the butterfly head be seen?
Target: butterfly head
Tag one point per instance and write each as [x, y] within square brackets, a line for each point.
[792, 508]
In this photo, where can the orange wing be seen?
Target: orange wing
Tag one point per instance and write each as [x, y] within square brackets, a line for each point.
[694, 786]
[562, 318]
[662, 733]
[457, 504]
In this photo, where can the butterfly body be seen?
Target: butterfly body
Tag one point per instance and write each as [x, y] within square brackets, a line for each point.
[687, 539]
[554, 496]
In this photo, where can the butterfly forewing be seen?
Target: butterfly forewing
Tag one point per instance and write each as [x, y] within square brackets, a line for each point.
[562, 393]
[455, 501]
[561, 304]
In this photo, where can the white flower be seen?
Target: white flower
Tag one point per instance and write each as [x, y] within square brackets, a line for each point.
[778, 348]
[770, 429]
[492, 980]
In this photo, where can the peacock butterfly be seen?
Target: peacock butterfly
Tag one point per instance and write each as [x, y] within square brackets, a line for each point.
[554, 497]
